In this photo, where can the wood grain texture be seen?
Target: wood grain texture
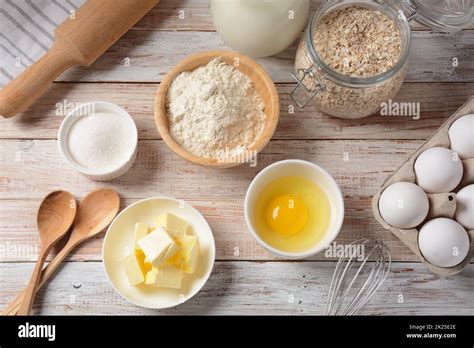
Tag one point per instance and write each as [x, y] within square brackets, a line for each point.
[20, 93]
[19, 238]
[95, 212]
[55, 217]
[146, 56]
[242, 283]
[437, 102]
[248, 288]
[196, 16]
[158, 171]
[76, 42]
[219, 194]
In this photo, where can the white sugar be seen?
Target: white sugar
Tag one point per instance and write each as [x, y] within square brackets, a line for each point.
[100, 141]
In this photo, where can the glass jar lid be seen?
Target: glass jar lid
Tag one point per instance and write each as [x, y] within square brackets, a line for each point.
[451, 15]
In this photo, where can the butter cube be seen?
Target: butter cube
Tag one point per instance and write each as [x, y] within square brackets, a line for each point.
[168, 276]
[158, 246]
[192, 256]
[151, 276]
[145, 265]
[179, 257]
[173, 224]
[134, 270]
[141, 230]
[188, 255]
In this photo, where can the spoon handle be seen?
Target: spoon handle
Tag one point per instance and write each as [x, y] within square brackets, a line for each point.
[30, 290]
[14, 306]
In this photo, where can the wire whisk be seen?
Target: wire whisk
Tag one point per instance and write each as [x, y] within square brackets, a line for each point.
[359, 273]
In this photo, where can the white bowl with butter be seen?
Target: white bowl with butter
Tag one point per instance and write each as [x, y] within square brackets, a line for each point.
[119, 241]
[99, 140]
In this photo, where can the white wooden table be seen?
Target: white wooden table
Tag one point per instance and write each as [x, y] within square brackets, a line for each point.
[246, 279]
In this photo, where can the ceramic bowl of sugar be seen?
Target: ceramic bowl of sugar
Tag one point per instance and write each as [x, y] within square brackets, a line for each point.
[217, 109]
[99, 139]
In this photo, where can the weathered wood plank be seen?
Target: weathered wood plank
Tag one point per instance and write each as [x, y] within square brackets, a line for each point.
[437, 102]
[31, 168]
[248, 288]
[19, 236]
[219, 194]
[197, 16]
[151, 54]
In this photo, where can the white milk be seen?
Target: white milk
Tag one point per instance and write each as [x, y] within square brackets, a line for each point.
[259, 28]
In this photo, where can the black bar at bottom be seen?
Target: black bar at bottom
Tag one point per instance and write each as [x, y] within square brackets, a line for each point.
[160, 330]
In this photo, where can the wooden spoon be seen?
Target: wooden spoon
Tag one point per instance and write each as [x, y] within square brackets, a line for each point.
[55, 216]
[96, 212]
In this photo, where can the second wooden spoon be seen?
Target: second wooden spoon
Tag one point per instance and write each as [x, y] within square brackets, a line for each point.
[96, 212]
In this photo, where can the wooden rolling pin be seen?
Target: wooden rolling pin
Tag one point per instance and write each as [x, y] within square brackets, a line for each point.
[79, 40]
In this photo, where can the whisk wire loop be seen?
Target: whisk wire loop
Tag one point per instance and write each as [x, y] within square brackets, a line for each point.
[343, 297]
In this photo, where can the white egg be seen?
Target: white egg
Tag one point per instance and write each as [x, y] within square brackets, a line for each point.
[438, 170]
[465, 207]
[403, 205]
[443, 242]
[461, 136]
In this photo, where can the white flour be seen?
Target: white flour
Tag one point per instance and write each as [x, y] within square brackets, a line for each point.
[215, 111]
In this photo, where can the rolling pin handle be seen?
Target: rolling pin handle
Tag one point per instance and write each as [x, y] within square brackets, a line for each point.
[19, 94]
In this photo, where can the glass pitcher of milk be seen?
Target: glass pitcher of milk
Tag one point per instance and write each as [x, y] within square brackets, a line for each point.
[259, 28]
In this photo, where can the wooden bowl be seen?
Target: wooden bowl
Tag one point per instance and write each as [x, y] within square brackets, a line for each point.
[263, 83]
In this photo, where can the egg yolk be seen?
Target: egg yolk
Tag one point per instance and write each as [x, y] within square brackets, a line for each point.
[287, 214]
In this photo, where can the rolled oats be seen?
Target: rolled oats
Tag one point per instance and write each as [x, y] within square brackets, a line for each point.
[357, 42]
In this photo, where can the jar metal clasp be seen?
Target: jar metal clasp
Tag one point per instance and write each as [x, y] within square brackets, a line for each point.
[311, 92]
[410, 12]
[413, 14]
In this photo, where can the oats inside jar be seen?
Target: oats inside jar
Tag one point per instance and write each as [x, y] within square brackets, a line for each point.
[358, 41]
[366, 44]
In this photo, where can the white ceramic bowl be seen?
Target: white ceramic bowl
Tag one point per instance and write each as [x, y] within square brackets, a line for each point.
[85, 110]
[312, 172]
[118, 243]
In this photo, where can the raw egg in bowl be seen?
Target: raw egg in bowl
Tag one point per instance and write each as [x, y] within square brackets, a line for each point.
[294, 208]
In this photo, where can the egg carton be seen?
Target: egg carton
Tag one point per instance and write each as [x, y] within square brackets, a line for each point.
[441, 204]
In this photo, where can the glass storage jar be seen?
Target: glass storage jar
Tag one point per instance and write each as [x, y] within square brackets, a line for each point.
[355, 97]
